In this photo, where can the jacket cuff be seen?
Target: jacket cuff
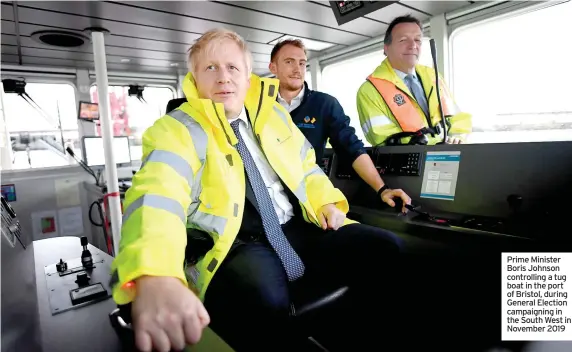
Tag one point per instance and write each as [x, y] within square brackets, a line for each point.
[335, 197]
[144, 259]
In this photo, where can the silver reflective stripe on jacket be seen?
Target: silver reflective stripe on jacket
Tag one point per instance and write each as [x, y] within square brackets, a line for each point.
[180, 165]
[158, 202]
[196, 218]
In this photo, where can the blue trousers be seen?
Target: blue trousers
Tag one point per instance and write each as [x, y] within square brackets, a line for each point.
[249, 297]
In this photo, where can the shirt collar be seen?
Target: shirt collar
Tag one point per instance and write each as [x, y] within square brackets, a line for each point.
[297, 97]
[402, 75]
[242, 116]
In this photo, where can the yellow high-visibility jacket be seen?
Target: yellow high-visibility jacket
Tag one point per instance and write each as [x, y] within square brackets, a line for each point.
[384, 95]
[192, 176]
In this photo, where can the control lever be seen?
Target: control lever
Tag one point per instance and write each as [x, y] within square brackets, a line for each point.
[426, 215]
[86, 258]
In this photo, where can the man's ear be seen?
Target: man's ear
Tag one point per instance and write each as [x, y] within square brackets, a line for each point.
[272, 67]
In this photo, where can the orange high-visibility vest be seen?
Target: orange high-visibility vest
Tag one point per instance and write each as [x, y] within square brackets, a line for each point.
[401, 106]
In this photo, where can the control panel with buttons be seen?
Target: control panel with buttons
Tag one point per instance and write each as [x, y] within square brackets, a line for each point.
[401, 164]
[398, 164]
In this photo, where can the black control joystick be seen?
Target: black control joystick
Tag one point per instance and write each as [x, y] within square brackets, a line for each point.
[61, 266]
[82, 279]
[86, 259]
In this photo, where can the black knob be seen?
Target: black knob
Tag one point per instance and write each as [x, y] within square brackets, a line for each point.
[84, 241]
[82, 279]
[62, 266]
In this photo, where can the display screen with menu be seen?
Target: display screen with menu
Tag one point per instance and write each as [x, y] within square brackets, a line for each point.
[88, 111]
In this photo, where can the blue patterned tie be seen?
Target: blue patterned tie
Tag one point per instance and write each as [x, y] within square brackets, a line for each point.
[415, 88]
[290, 259]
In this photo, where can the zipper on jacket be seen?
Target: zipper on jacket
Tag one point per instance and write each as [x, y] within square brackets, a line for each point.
[258, 111]
[221, 124]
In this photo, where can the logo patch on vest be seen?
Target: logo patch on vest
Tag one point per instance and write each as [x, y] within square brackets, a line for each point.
[398, 99]
[308, 122]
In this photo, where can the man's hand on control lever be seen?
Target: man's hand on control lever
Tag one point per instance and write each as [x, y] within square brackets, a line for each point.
[166, 315]
[388, 195]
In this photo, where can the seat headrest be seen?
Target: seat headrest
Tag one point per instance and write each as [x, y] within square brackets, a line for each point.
[175, 103]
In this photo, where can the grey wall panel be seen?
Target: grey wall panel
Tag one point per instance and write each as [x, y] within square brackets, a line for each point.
[313, 13]
[8, 27]
[7, 12]
[117, 12]
[36, 191]
[9, 39]
[229, 14]
[436, 7]
[388, 13]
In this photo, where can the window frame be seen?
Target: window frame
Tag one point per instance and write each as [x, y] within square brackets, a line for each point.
[47, 79]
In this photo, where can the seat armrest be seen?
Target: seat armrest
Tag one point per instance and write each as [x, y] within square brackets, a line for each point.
[321, 302]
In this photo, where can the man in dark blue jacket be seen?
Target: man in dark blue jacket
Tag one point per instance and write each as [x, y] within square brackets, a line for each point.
[320, 116]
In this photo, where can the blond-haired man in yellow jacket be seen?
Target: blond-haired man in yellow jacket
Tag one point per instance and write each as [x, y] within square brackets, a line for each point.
[231, 164]
[398, 103]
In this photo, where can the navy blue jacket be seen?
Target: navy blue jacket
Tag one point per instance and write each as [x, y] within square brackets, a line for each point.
[320, 116]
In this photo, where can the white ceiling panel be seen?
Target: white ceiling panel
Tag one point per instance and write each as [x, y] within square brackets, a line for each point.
[41, 61]
[46, 18]
[95, 12]
[130, 42]
[313, 13]
[388, 13]
[82, 56]
[152, 35]
[436, 7]
[8, 26]
[275, 25]
[28, 42]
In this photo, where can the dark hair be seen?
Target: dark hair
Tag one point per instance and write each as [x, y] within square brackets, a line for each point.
[296, 42]
[401, 19]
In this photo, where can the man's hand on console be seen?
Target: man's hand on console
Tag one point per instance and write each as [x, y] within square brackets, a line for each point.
[331, 217]
[388, 195]
[166, 314]
[453, 140]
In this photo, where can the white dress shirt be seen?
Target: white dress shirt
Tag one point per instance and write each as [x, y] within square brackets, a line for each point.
[279, 198]
[295, 102]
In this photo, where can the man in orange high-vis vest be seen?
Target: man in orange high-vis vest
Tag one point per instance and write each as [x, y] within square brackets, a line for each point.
[397, 104]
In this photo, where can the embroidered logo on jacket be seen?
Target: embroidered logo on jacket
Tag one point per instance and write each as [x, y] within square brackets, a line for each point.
[308, 122]
[398, 99]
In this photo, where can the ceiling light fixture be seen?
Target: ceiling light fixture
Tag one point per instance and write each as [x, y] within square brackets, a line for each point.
[310, 44]
[125, 60]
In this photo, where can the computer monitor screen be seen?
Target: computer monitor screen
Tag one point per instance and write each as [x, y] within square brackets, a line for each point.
[88, 111]
[94, 155]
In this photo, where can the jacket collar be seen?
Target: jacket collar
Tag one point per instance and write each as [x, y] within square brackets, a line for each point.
[260, 99]
[386, 72]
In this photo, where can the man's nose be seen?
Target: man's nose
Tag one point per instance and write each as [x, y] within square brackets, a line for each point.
[413, 44]
[223, 76]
